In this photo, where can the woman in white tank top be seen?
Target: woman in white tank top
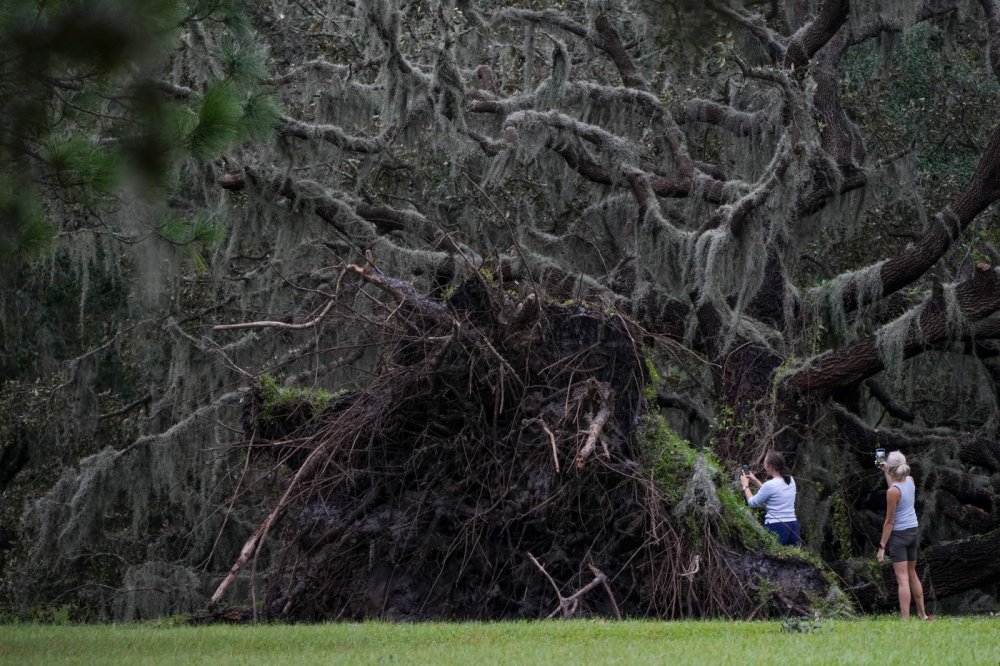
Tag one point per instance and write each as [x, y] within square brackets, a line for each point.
[901, 534]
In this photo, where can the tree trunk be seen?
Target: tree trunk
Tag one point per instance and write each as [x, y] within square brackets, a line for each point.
[945, 570]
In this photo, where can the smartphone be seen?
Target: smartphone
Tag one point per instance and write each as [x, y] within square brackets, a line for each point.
[879, 457]
[746, 468]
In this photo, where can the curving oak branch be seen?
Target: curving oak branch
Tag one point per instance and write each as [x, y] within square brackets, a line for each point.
[812, 36]
[981, 192]
[977, 297]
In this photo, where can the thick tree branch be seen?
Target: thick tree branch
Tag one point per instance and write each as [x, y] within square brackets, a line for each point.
[981, 192]
[692, 410]
[622, 149]
[329, 133]
[811, 37]
[740, 123]
[604, 37]
[756, 25]
[976, 298]
[384, 218]
[550, 17]
[611, 44]
[736, 213]
[840, 136]
[992, 10]
[887, 402]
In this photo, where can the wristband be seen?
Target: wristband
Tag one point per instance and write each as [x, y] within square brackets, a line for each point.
[881, 547]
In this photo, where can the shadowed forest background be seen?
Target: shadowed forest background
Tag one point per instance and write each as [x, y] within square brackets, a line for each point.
[464, 309]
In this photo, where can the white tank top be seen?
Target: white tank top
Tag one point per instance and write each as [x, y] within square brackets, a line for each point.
[906, 514]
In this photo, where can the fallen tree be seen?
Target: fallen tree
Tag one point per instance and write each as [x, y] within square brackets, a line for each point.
[505, 450]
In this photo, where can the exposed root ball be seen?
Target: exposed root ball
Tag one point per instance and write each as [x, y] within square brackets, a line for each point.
[495, 450]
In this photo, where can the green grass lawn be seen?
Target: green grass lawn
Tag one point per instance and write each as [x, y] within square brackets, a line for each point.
[879, 641]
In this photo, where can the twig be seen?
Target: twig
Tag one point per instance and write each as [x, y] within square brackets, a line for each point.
[278, 324]
[607, 588]
[510, 229]
[568, 605]
[552, 439]
[695, 566]
[546, 574]
[144, 400]
[252, 545]
[593, 432]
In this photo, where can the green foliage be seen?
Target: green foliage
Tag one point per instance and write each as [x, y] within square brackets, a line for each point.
[805, 625]
[741, 525]
[653, 381]
[835, 604]
[181, 231]
[230, 13]
[234, 108]
[259, 117]
[66, 83]
[192, 236]
[940, 104]
[276, 398]
[840, 512]
[79, 163]
[728, 426]
[872, 573]
[218, 128]
[669, 457]
[241, 63]
[726, 420]
[24, 231]
[487, 273]
[672, 460]
[87, 111]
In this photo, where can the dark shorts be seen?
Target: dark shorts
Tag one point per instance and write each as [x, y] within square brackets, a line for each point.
[788, 533]
[903, 545]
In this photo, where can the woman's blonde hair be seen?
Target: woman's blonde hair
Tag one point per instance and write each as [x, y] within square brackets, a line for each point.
[896, 467]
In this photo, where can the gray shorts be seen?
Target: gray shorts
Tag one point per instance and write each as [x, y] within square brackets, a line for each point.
[903, 545]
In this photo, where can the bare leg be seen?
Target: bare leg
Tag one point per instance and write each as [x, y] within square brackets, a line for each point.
[916, 589]
[903, 588]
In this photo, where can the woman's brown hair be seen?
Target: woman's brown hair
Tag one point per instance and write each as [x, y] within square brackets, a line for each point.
[777, 461]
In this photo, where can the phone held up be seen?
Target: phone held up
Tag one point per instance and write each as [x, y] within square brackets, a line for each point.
[880, 458]
[745, 467]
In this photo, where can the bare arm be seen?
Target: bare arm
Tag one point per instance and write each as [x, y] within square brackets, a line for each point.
[891, 500]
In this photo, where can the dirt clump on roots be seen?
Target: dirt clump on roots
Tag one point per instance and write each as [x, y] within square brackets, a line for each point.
[490, 471]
